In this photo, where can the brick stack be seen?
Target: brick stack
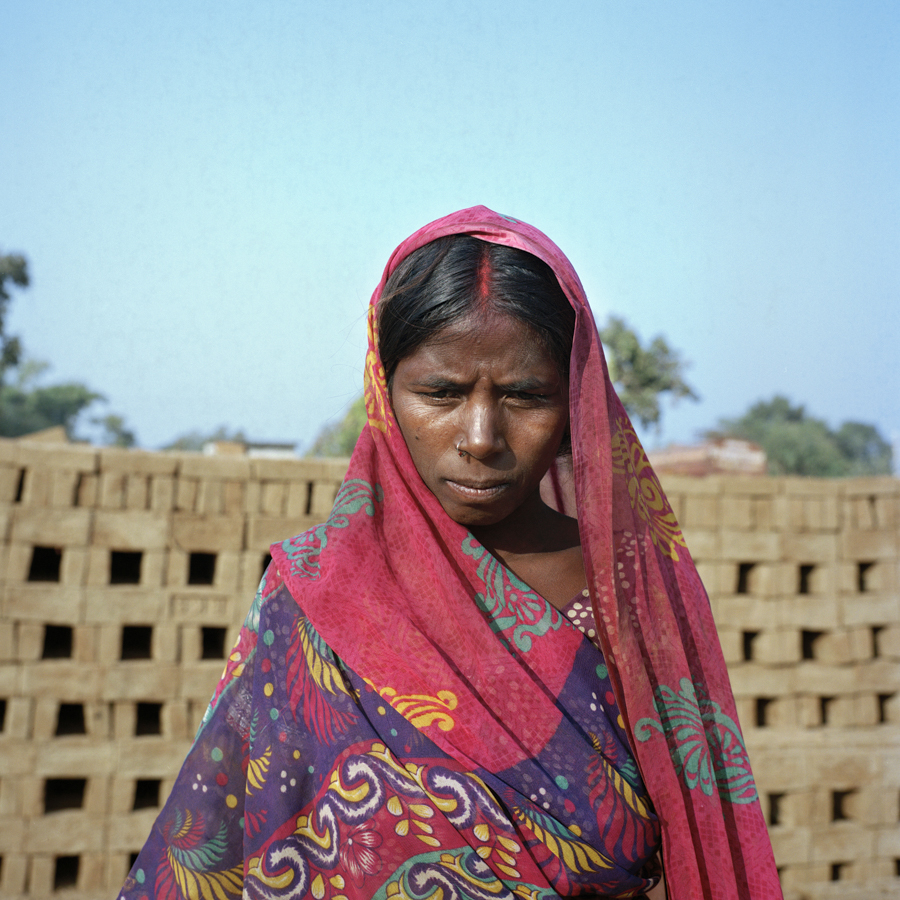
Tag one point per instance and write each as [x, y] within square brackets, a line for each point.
[124, 577]
[803, 579]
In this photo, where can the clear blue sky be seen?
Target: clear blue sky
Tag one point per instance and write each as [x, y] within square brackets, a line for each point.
[207, 191]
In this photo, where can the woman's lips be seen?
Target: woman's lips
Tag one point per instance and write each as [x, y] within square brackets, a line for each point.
[476, 490]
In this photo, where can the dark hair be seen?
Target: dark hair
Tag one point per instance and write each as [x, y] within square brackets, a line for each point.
[449, 278]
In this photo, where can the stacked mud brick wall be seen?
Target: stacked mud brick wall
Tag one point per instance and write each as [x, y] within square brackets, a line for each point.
[124, 577]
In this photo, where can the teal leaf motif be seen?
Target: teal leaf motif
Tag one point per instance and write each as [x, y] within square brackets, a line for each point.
[516, 612]
[205, 858]
[303, 550]
[705, 744]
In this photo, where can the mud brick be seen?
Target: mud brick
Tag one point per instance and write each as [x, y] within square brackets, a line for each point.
[46, 710]
[264, 531]
[252, 497]
[251, 572]
[191, 645]
[98, 567]
[92, 872]
[873, 805]
[753, 613]
[843, 841]
[708, 573]
[232, 498]
[274, 498]
[177, 568]
[40, 603]
[209, 534]
[162, 493]
[732, 645]
[749, 546]
[96, 796]
[174, 721]
[124, 718]
[736, 512]
[12, 834]
[878, 675]
[121, 796]
[186, 494]
[138, 462]
[64, 488]
[227, 571]
[812, 613]
[10, 679]
[746, 712]
[299, 496]
[41, 868]
[7, 641]
[137, 493]
[810, 547]
[887, 842]
[888, 642]
[777, 646]
[30, 641]
[64, 680]
[796, 880]
[134, 606]
[701, 510]
[871, 609]
[862, 513]
[842, 769]
[754, 680]
[80, 830]
[9, 483]
[798, 810]
[263, 469]
[165, 642]
[131, 530]
[18, 561]
[702, 543]
[198, 605]
[129, 832]
[869, 545]
[887, 511]
[31, 793]
[779, 770]
[138, 680]
[109, 643]
[73, 757]
[844, 646]
[37, 487]
[823, 680]
[210, 497]
[796, 517]
[764, 513]
[14, 874]
[18, 718]
[153, 568]
[791, 846]
[150, 757]
[112, 490]
[88, 490]
[199, 679]
[73, 566]
[195, 465]
[323, 494]
[51, 527]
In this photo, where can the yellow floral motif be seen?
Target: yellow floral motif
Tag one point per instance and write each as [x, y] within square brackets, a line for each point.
[257, 770]
[422, 710]
[375, 383]
[644, 490]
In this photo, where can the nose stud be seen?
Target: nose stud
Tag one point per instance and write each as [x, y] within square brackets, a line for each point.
[460, 452]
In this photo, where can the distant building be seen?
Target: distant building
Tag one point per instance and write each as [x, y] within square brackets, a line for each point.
[723, 456]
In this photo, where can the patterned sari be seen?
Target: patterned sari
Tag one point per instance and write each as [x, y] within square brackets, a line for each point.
[402, 717]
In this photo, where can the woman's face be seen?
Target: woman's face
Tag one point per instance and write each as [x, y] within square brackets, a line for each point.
[487, 385]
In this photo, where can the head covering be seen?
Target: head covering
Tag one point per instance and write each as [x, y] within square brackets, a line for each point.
[415, 625]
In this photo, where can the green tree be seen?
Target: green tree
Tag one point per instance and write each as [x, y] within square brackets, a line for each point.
[340, 438]
[799, 444]
[25, 405]
[641, 375]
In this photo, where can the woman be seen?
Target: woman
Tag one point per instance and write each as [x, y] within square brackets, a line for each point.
[409, 711]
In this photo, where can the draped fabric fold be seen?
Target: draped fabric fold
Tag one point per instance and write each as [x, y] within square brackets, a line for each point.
[403, 717]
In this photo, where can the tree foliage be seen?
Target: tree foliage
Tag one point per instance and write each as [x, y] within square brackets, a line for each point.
[798, 444]
[26, 406]
[641, 376]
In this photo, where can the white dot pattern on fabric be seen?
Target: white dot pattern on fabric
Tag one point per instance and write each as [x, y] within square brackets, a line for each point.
[580, 614]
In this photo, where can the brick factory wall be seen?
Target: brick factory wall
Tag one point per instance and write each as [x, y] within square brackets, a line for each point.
[125, 576]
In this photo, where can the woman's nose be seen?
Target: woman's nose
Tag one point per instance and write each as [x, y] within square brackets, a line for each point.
[482, 431]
